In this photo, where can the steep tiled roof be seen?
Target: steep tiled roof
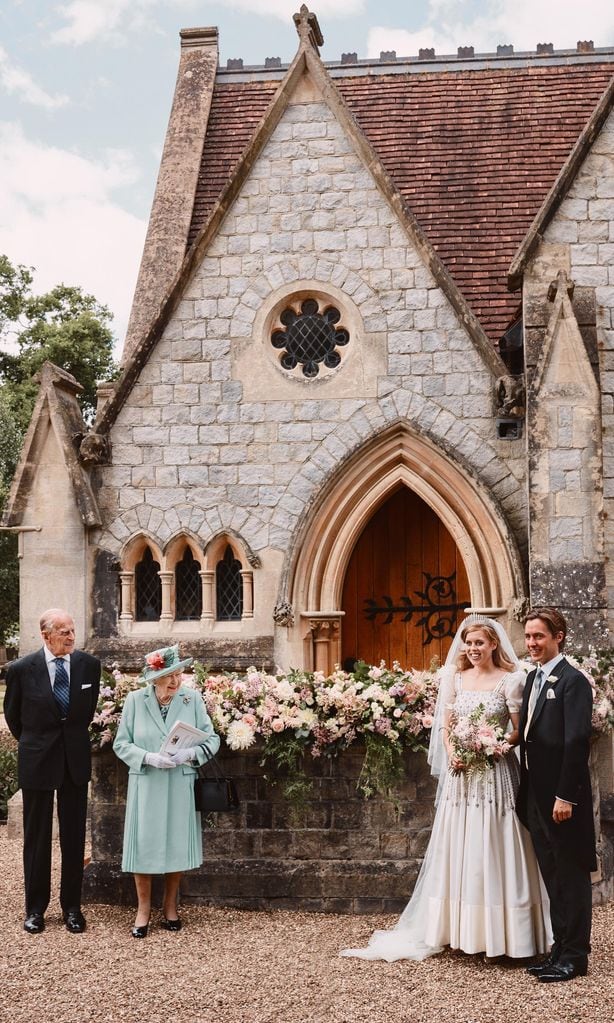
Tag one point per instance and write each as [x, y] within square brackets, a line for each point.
[235, 113]
[473, 152]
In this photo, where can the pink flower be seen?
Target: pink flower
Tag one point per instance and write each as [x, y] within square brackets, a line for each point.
[487, 732]
[277, 725]
[155, 661]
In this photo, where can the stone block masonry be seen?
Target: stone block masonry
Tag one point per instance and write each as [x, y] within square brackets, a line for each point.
[214, 369]
[344, 854]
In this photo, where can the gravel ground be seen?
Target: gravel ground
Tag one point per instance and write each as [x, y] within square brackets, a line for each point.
[228, 966]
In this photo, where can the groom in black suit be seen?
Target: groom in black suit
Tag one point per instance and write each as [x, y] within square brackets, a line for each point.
[554, 799]
[50, 700]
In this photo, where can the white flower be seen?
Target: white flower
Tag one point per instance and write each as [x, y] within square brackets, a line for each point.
[307, 718]
[240, 735]
[283, 690]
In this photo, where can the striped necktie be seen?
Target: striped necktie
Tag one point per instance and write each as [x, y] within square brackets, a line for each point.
[61, 688]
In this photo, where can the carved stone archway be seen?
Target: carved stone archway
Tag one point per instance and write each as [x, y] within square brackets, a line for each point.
[400, 456]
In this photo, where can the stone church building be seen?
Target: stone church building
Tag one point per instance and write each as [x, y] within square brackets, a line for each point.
[368, 377]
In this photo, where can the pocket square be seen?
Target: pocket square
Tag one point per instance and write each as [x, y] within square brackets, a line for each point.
[87, 685]
[550, 694]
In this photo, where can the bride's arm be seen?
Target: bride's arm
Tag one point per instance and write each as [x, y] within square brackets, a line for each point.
[513, 737]
[453, 762]
[514, 685]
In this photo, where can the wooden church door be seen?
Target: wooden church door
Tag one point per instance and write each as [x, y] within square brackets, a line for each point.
[405, 587]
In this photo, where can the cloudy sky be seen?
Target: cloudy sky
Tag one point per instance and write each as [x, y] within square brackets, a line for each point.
[86, 87]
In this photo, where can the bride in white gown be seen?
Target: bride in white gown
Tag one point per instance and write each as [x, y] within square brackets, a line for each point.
[479, 888]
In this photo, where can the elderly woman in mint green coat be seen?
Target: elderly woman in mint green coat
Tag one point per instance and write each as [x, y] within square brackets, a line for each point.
[162, 831]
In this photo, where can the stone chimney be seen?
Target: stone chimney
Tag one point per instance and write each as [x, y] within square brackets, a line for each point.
[171, 212]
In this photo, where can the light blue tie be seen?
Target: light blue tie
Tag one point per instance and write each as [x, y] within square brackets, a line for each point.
[61, 687]
[536, 690]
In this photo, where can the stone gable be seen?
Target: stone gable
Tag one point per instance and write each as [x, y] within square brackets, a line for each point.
[215, 435]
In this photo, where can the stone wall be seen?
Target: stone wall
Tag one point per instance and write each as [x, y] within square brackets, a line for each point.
[216, 436]
[580, 241]
[345, 855]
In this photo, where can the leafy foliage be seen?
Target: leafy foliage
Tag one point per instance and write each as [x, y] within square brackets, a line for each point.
[382, 768]
[8, 771]
[283, 759]
[64, 326]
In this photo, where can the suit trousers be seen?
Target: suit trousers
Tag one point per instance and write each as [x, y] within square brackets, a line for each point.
[37, 834]
[569, 889]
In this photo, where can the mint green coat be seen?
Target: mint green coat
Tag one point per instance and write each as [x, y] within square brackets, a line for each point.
[162, 830]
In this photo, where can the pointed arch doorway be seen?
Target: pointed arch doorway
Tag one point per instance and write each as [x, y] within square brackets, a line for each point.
[405, 587]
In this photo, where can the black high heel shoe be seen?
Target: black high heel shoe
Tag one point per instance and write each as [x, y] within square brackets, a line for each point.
[171, 925]
[140, 932]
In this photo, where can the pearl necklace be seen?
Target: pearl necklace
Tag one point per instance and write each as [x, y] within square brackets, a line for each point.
[164, 703]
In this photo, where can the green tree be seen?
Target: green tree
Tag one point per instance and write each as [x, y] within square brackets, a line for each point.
[10, 441]
[64, 326]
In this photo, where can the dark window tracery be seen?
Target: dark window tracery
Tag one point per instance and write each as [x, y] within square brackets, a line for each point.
[188, 589]
[148, 587]
[228, 588]
[310, 338]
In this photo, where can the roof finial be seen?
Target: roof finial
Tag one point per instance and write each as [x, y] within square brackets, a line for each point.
[308, 28]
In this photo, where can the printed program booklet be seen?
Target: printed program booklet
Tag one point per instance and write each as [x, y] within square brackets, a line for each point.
[182, 736]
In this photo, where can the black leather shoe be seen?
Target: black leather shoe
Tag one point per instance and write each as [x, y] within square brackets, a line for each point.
[563, 971]
[536, 968]
[34, 924]
[171, 925]
[75, 921]
[140, 932]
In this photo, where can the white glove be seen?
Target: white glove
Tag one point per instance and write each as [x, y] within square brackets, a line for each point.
[182, 756]
[161, 760]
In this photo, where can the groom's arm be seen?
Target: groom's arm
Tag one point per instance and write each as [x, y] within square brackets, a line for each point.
[577, 714]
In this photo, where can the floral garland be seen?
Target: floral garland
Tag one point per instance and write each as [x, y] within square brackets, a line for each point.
[598, 667]
[113, 692]
[300, 714]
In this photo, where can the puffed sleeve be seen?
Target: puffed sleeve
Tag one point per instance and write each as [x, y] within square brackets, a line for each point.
[513, 689]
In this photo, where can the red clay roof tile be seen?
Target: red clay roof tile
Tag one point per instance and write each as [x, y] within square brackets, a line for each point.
[474, 154]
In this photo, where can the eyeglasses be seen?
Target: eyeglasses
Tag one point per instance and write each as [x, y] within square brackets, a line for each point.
[64, 632]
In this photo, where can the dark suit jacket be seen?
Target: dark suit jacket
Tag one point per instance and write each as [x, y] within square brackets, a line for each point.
[556, 750]
[47, 745]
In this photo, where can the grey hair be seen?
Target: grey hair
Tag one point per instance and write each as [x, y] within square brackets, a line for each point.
[49, 618]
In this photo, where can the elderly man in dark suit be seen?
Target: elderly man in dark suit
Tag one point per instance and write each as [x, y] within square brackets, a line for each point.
[554, 799]
[50, 700]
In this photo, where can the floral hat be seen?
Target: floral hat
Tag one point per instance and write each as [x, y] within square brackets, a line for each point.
[164, 661]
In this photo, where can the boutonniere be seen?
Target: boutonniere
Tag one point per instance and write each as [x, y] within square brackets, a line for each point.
[187, 699]
[552, 679]
[550, 694]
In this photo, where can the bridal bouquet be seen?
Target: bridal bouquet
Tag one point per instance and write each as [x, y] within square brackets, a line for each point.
[477, 741]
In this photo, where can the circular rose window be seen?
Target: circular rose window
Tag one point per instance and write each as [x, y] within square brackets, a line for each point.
[309, 337]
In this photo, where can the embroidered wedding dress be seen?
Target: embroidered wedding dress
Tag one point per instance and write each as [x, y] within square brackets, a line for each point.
[479, 888]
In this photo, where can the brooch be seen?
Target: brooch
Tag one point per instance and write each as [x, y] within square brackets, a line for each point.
[187, 699]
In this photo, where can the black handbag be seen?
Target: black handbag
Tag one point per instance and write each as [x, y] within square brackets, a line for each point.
[215, 794]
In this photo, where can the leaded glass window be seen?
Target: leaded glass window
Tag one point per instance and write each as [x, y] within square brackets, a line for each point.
[228, 588]
[310, 337]
[148, 589]
[188, 590]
